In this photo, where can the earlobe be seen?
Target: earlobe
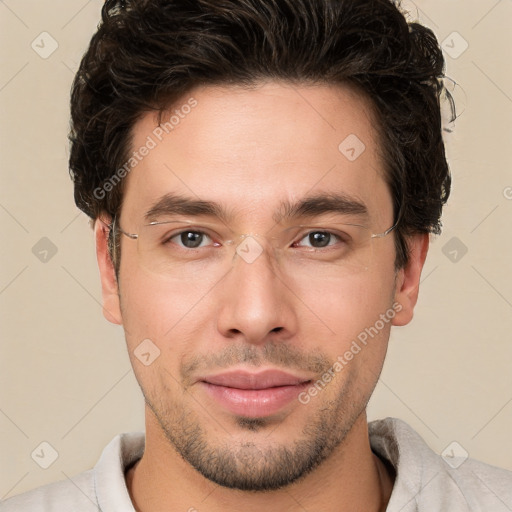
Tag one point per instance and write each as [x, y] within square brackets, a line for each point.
[109, 286]
[408, 279]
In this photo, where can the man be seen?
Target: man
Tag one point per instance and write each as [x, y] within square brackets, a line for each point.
[263, 178]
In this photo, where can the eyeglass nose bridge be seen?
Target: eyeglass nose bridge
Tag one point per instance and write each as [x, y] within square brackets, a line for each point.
[248, 248]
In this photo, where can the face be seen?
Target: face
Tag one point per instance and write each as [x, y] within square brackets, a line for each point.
[257, 364]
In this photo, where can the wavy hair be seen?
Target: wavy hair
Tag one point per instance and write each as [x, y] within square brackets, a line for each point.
[147, 54]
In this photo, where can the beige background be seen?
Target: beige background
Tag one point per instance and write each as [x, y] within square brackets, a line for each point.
[65, 377]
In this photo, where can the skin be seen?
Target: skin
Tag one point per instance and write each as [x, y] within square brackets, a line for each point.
[250, 149]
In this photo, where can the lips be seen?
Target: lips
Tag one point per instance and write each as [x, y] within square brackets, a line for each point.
[254, 395]
[262, 380]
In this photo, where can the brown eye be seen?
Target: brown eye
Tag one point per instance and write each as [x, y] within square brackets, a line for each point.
[319, 239]
[190, 239]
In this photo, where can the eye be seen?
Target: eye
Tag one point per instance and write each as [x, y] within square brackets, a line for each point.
[320, 239]
[190, 239]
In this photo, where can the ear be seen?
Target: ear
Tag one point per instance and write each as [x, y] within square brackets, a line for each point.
[408, 278]
[109, 287]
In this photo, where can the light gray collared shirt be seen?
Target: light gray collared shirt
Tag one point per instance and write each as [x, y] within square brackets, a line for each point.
[425, 482]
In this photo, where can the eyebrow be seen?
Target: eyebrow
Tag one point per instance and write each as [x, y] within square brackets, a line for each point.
[308, 207]
[172, 204]
[321, 204]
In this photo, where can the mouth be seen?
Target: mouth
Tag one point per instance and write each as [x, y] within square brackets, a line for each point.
[254, 395]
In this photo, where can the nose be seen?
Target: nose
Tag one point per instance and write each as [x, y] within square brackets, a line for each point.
[256, 304]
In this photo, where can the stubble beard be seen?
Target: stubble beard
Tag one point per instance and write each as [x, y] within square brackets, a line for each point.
[257, 465]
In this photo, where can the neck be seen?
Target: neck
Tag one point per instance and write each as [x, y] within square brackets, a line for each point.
[352, 478]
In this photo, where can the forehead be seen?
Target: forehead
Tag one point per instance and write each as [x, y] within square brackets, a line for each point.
[253, 149]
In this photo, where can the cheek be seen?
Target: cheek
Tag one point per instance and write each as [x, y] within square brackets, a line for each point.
[355, 320]
[159, 310]
[360, 320]
[347, 305]
[159, 319]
